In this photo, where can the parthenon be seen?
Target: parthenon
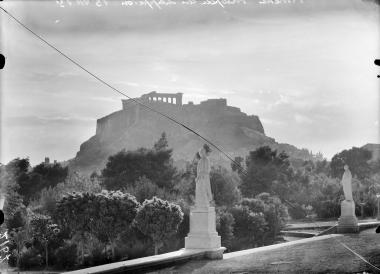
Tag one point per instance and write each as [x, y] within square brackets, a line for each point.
[155, 97]
[171, 98]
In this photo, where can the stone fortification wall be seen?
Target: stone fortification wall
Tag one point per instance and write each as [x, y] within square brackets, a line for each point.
[212, 110]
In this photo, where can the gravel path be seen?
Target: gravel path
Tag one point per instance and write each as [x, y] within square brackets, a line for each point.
[324, 256]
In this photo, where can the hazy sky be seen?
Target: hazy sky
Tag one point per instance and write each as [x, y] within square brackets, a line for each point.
[305, 68]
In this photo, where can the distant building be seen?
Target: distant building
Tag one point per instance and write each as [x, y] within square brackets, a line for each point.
[215, 102]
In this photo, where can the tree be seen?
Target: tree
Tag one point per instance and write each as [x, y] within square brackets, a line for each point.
[39, 177]
[258, 221]
[75, 182]
[104, 215]
[159, 220]
[184, 227]
[185, 187]
[162, 143]
[237, 164]
[224, 187]
[276, 214]
[225, 226]
[18, 168]
[325, 195]
[47, 202]
[74, 215]
[18, 220]
[10, 175]
[126, 167]
[249, 227]
[144, 189]
[322, 167]
[44, 231]
[357, 160]
[18, 237]
[112, 213]
[264, 168]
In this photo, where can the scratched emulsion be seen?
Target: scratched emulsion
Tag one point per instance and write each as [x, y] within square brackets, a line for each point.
[4, 249]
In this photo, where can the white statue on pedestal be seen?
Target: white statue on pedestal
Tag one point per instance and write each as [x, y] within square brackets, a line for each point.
[347, 223]
[346, 182]
[203, 195]
[203, 235]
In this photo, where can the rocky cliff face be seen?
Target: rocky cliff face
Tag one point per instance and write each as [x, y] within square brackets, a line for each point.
[135, 126]
[375, 149]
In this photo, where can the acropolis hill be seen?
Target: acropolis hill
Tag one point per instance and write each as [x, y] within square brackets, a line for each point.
[136, 126]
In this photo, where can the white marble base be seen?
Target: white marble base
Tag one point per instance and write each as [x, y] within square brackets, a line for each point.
[203, 235]
[348, 223]
[202, 241]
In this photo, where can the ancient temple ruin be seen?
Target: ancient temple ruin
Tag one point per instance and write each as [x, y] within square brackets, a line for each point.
[155, 97]
[134, 114]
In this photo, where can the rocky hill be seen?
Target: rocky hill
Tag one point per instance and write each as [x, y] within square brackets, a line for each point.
[375, 149]
[135, 126]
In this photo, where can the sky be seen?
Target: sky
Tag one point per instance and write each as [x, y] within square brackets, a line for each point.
[305, 67]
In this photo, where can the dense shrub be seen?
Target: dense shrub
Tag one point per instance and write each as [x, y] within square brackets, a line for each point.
[225, 227]
[66, 256]
[97, 226]
[159, 220]
[18, 219]
[224, 187]
[249, 228]
[258, 221]
[296, 211]
[133, 244]
[31, 258]
[327, 208]
[126, 167]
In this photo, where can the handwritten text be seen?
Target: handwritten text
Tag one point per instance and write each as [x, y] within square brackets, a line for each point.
[152, 4]
[4, 249]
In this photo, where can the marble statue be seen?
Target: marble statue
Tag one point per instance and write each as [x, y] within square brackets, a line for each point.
[347, 185]
[203, 195]
[202, 233]
[347, 223]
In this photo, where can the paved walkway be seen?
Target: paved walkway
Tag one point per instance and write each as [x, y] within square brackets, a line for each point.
[326, 255]
[133, 266]
[319, 224]
[330, 253]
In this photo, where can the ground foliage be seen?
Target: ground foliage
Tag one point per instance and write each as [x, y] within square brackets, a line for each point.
[126, 167]
[159, 220]
[65, 220]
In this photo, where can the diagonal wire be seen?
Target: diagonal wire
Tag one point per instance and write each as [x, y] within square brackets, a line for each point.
[160, 113]
[122, 93]
[359, 256]
[344, 245]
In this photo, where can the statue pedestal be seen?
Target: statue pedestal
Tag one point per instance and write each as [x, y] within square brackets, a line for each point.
[347, 223]
[203, 235]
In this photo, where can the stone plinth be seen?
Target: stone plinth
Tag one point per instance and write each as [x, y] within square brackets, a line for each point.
[203, 235]
[347, 223]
